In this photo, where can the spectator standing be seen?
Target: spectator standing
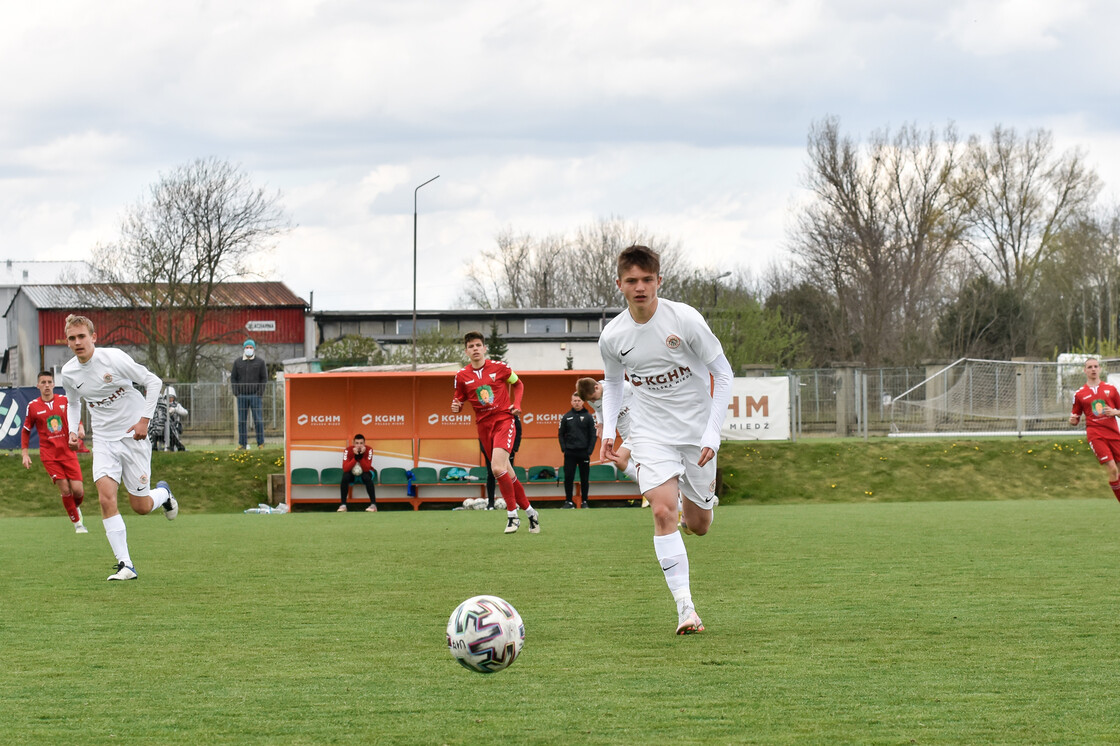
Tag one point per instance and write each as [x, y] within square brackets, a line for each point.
[357, 466]
[247, 380]
[577, 441]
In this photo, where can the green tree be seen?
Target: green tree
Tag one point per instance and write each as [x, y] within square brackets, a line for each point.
[980, 321]
[434, 346]
[496, 347]
[353, 349]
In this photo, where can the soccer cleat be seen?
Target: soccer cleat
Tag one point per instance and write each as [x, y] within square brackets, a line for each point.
[512, 524]
[534, 525]
[170, 505]
[124, 572]
[80, 529]
[568, 505]
[341, 509]
[685, 529]
[690, 623]
[371, 509]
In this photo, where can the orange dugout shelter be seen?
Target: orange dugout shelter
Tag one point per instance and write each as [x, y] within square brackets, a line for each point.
[407, 421]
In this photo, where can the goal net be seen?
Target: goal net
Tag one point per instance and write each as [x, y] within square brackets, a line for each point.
[993, 397]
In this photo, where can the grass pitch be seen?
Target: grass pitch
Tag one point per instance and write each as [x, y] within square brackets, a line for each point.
[963, 622]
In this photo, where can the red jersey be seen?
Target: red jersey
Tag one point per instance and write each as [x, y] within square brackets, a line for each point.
[49, 418]
[349, 460]
[487, 389]
[1092, 403]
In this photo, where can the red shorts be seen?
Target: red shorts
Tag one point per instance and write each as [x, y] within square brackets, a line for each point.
[499, 432]
[66, 468]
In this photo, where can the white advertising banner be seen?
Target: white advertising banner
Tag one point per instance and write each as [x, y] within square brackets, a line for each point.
[759, 409]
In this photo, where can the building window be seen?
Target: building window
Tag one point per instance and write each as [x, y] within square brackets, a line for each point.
[546, 326]
[404, 326]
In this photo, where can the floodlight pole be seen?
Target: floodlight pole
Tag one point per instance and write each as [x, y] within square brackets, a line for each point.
[414, 221]
[715, 287]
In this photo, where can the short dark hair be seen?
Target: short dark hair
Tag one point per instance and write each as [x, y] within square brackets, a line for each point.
[642, 257]
[48, 373]
[473, 335]
[359, 436]
[585, 388]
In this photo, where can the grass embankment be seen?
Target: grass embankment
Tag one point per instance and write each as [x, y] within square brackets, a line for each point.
[215, 480]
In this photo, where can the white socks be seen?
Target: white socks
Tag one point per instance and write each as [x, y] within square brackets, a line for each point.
[531, 512]
[673, 559]
[118, 540]
[159, 496]
[630, 471]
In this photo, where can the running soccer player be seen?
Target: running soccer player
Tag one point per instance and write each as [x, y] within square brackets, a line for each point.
[591, 391]
[1100, 403]
[495, 391]
[47, 416]
[682, 386]
[119, 416]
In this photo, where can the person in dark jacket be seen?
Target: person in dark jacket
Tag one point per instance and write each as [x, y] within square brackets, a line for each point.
[577, 441]
[248, 379]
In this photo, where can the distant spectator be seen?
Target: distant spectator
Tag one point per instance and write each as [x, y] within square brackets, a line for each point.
[166, 429]
[248, 379]
[357, 466]
[577, 441]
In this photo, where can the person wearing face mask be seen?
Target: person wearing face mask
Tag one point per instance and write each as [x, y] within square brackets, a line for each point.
[247, 381]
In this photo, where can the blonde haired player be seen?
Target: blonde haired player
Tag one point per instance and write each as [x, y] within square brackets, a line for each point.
[119, 416]
[682, 386]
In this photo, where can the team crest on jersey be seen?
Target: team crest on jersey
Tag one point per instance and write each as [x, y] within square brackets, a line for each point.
[1097, 406]
[673, 342]
[108, 378]
[493, 376]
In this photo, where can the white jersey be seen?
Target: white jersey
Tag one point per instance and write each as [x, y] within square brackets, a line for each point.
[667, 361]
[105, 383]
[623, 425]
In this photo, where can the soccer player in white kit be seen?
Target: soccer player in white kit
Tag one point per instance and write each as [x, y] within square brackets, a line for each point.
[119, 415]
[667, 351]
[591, 392]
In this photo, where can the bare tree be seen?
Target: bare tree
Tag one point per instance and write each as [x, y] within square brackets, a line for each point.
[1023, 196]
[198, 226]
[559, 272]
[882, 224]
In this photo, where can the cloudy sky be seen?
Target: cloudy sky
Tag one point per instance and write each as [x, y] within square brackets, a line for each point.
[688, 119]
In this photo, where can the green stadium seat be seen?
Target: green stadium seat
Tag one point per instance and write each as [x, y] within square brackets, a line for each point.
[535, 474]
[304, 475]
[602, 473]
[332, 475]
[424, 475]
[393, 475]
[479, 472]
[522, 475]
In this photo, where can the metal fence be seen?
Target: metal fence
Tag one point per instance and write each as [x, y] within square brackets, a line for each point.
[212, 413]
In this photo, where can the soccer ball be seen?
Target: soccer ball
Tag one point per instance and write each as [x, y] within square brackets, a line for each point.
[485, 634]
[356, 470]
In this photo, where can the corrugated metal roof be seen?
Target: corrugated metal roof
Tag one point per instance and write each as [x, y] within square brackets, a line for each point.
[107, 295]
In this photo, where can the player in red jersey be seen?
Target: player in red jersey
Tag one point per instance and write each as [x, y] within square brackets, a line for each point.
[47, 414]
[494, 390]
[1100, 403]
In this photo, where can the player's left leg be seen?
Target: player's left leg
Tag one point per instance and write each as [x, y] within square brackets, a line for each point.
[136, 465]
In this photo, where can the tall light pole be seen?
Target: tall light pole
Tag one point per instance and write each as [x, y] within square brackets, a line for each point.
[715, 288]
[414, 221]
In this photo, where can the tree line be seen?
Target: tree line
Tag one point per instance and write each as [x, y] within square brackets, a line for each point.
[914, 244]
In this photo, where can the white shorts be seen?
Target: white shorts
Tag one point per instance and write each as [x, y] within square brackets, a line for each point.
[127, 462]
[623, 425]
[660, 463]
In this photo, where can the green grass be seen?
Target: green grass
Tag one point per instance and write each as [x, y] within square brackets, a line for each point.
[221, 480]
[932, 622]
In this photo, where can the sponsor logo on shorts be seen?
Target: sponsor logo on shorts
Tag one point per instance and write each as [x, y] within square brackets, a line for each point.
[143, 479]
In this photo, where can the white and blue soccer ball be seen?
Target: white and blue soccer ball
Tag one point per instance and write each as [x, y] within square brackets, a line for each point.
[485, 634]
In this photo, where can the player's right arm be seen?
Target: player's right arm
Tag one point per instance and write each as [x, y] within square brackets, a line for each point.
[459, 396]
[612, 398]
[1075, 413]
[25, 437]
